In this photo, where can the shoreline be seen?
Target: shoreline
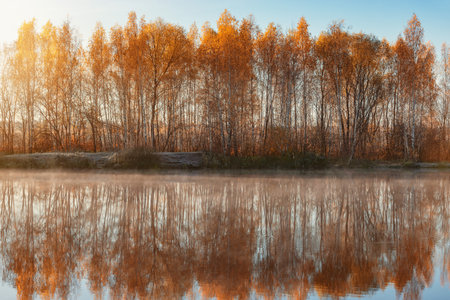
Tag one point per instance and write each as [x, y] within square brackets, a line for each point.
[132, 160]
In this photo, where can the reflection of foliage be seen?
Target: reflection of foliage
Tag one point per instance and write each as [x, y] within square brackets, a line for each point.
[154, 239]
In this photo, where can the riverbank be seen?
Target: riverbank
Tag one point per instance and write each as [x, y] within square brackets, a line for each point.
[103, 160]
[192, 160]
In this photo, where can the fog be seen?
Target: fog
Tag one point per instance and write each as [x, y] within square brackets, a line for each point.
[248, 235]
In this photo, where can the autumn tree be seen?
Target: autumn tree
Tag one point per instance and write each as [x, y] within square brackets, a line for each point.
[232, 89]
[165, 55]
[25, 78]
[50, 106]
[8, 104]
[417, 52]
[304, 45]
[97, 112]
[366, 88]
[120, 77]
[267, 51]
[68, 68]
[444, 104]
[332, 47]
[226, 70]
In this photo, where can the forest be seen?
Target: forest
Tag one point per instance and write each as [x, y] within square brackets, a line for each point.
[232, 89]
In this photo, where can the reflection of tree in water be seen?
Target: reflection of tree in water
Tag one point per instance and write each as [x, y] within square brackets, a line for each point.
[232, 236]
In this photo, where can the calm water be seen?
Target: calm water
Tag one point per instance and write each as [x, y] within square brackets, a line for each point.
[381, 235]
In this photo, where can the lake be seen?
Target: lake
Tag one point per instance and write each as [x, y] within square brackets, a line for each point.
[193, 235]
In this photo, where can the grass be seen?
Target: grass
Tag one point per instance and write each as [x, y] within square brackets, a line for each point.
[284, 161]
[142, 159]
[410, 165]
[60, 161]
[442, 165]
[355, 163]
[134, 159]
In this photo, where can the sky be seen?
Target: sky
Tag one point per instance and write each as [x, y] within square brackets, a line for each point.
[383, 18]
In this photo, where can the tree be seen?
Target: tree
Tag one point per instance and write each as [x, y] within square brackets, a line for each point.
[267, 49]
[68, 63]
[232, 89]
[98, 60]
[366, 87]
[25, 78]
[444, 104]
[121, 77]
[304, 45]
[332, 47]
[414, 40]
[166, 53]
[51, 108]
[8, 103]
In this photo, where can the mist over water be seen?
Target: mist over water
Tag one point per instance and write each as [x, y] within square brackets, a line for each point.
[194, 235]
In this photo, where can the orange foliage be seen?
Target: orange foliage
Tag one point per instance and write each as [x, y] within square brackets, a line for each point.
[235, 90]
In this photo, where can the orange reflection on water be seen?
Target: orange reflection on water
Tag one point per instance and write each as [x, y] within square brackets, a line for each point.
[160, 236]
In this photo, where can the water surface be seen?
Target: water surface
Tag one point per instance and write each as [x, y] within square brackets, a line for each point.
[378, 235]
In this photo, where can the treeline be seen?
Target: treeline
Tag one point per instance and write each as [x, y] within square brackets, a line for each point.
[233, 90]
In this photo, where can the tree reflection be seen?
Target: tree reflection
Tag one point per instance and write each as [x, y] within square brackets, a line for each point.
[231, 237]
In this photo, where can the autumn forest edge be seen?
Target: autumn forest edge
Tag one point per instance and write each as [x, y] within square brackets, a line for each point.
[234, 89]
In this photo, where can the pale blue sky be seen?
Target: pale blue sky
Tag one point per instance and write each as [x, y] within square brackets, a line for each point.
[384, 18]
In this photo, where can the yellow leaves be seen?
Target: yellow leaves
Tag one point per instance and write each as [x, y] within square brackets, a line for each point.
[402, 53]
[26, 50]
[131, 29]
[414, 59]
[414, 34]
[230, 49]
[193, 35]
[365, 50]
[165, 47]
[68, 50]
[138, 69]
[48, 40]
[246, 30]
[117, 44]
[226, 22]
[302, 36]
[332, 47]
[268, 45]
[26, 38]
[333, 44]
[270, 37]
[99, 51]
